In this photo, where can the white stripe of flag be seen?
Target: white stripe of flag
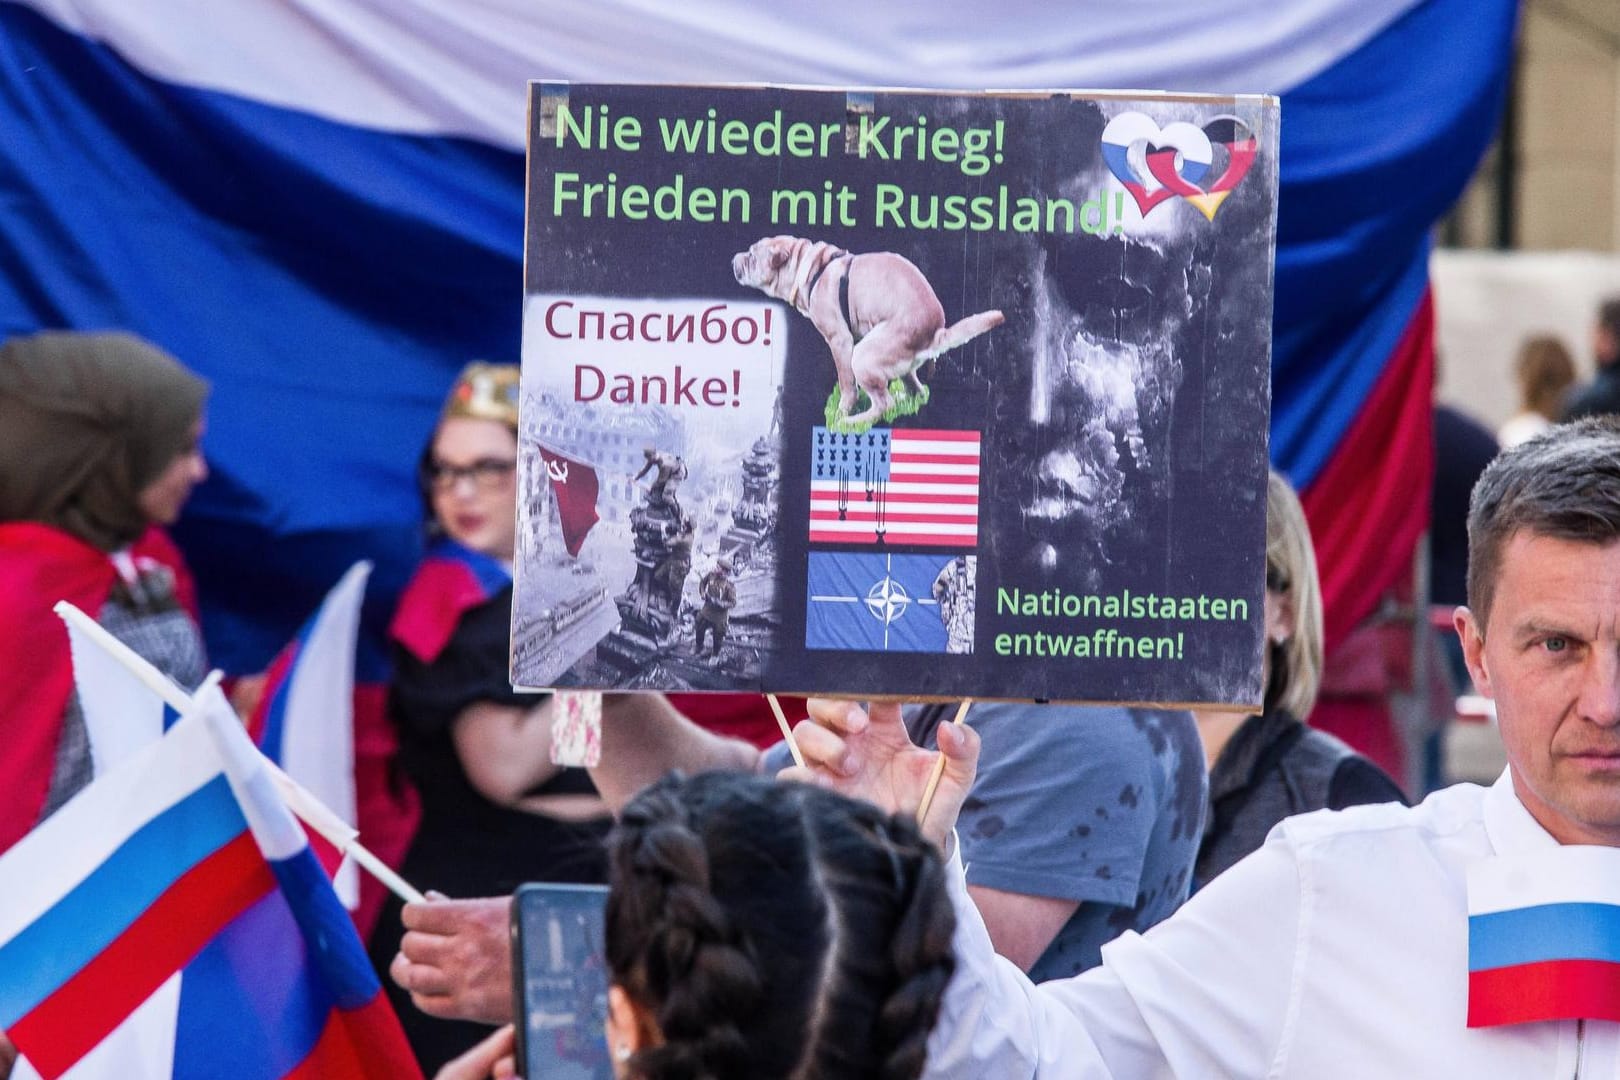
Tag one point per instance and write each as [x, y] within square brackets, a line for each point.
[1565, 874]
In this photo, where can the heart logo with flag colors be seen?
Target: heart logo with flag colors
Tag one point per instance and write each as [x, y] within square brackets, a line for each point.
[1157, 164]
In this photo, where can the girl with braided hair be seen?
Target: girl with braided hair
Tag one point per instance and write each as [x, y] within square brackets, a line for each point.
[759, 930]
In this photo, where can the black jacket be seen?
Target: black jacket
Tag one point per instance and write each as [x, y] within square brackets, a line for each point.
[1272, 768]
[1599, 397]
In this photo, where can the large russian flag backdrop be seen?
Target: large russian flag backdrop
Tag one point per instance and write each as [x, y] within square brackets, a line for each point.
[319, 207]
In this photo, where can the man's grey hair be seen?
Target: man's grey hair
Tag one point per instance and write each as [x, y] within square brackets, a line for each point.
[1564, 484]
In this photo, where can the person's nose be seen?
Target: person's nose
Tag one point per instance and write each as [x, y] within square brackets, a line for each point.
[1600, 687]
[199, 468]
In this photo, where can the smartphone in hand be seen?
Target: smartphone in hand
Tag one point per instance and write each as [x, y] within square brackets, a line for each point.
[559, 968]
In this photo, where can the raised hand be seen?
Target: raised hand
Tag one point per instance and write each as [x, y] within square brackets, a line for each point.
[868, 754]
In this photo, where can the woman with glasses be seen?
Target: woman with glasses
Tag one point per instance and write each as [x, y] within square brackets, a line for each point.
[1265, 767]
[495, 811]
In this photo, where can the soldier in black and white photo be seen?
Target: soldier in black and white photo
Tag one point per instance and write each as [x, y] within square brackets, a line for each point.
[671, 471]
[953, 589]
[719, 596]
[670, 574]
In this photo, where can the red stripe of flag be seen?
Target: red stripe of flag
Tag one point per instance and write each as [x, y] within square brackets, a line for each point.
[900, 457]
[90, 1005]
[889, 537]
[1550, 990]
[382, 1052]
[1365, 533]
[906, 434]
[855, 514]
[275, 682]
[326, 852]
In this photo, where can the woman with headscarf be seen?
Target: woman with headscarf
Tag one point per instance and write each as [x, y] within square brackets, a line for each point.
[99, 449]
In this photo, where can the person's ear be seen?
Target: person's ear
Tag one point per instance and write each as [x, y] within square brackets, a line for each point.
[1280, 620]
[1472, 634]
[621, 1025]
[630, 1028]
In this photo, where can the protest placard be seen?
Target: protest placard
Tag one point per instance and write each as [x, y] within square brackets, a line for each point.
[896, 393]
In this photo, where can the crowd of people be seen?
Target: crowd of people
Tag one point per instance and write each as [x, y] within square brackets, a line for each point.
[1092, 892]
[1341, 946]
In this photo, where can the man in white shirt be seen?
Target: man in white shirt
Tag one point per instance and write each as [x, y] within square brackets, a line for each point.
[1341, 948]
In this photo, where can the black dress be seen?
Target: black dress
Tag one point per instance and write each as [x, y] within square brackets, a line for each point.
[467, 846]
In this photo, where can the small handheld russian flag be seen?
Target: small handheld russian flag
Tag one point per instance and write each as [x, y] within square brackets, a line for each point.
[171, 921]
[305, 718]
[1544, 937]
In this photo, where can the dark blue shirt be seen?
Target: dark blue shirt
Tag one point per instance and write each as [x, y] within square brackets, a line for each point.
[1103, 806]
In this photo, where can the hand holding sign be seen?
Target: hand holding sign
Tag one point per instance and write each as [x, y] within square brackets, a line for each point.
[866, 753]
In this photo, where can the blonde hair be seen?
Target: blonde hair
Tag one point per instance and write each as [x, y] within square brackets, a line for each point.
[1545, 372]
[1296, 664]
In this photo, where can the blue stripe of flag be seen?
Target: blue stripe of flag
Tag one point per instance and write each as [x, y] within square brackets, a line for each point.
[335, 949]
[1358, 196]
[84, 922]
[1574, 931]
[275, 719]
[251, 1005]
[275, 716]
[1333, 389]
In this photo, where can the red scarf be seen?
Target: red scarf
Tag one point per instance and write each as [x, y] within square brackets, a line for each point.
[450, 582]
[40, 565]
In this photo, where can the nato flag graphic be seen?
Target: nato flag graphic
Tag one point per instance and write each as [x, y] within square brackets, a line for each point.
[874, 602]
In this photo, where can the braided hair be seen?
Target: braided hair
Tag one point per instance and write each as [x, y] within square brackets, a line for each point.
[776, 932]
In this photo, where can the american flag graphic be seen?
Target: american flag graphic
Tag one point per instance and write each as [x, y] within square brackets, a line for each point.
[895, 487]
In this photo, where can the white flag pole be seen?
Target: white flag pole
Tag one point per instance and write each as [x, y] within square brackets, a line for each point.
[157, 682]
[316, 814]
